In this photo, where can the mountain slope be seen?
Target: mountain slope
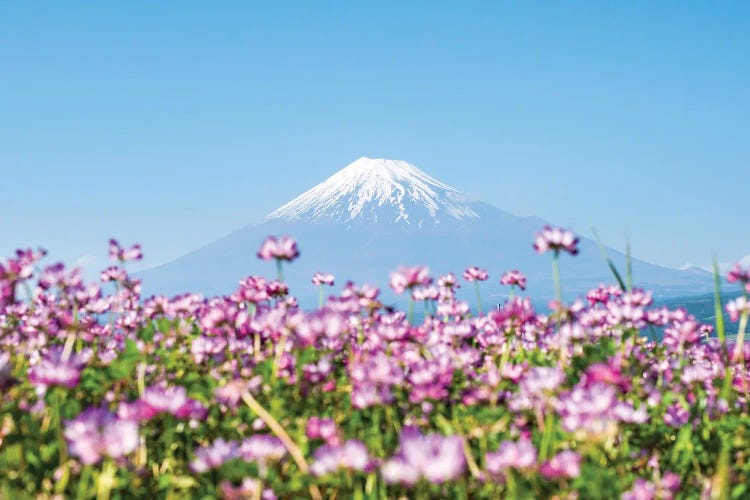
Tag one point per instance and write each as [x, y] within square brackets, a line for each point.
[364, 221]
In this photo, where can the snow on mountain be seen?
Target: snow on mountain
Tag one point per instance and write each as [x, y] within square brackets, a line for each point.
[378, 191]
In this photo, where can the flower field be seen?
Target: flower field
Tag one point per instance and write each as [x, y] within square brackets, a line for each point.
[108, 394]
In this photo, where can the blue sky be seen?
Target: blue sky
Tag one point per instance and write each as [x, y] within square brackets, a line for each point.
[174, 123]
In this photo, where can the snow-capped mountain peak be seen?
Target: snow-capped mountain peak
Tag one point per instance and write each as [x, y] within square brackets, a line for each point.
[378, 190]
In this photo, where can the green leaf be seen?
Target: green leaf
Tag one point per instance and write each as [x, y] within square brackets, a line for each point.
[124, 366]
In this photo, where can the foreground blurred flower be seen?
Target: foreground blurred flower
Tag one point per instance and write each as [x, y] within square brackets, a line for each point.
[322, 428]
[96, 433]
[511, 455]
[55, 370]
[213, 456]
[249, 488]
[351, 455]
[262, 448]
[433, 457]
[566, 464]
[173, 400]
[735, 308]
[557, 240]
[738, 274]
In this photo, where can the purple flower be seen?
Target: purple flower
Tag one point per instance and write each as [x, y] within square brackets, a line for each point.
[322, 428]
[676, 415]
[475, 274]
[514, 278]
[323, 279]
[352, 455]
[433, 457]
[172, 400]
[681, 333]
[738, 274]
[54, 370]
[116, 252]
[556, 239]
[262, 448]
[737, 307]
[589, 410]
[284, 248]
[213, 456]
[511, 455]
[96, 433]
[407, 278]
[231, 393]
[542, 380]
[641, 490]
[565, 464]
[249, 488]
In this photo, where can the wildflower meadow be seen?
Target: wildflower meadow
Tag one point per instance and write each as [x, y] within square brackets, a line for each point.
[108, 394]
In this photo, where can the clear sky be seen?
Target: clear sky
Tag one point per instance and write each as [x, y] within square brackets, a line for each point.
[174, 123]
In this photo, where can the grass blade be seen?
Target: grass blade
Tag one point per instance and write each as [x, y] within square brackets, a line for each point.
[628, 264]
[611, 264]
[718, 309]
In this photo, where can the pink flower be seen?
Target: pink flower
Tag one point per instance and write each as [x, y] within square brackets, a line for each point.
[642, 490]
[172, 400]
[53, 370]
[475, 274]
[231, 393]
[677, 415]
[541, 380]
[96, 433]
[737, 307]
[322, 279]
[249, 488]
[514, 278]
[512, 455]
[448, 281]
[352, 455]
[116, 252]
[284, 248]
[433, 457]
[556, 239]
[738, 274]
[565, 464]
[407, 278]
[213, 456]
[262, 448]
[322, 428]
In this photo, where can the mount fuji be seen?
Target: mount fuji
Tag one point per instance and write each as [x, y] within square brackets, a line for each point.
[376, 214]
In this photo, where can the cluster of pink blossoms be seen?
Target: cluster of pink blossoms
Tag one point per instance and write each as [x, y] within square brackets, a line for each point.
[515, 398]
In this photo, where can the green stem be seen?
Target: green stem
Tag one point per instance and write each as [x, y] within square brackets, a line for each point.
[279, 271]
[322, 296]
[546, 444]
[410, 314]
[556, 277]
[738, 356]
[479, 298]
[59, 428]
[105, 481]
